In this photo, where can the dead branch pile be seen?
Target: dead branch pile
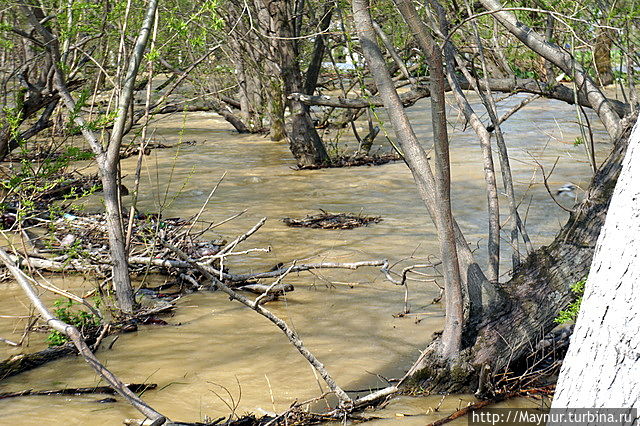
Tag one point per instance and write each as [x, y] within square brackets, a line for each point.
[356, 161]
[326, 220]
[78, 242]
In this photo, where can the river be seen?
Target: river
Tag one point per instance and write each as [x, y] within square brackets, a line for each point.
[218, 355]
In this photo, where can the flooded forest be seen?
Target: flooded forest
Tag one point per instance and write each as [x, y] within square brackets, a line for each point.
[272, 212]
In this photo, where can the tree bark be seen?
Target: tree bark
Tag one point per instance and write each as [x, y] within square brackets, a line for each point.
[315, 65]
[606, 338]
[602, 55]
[531, 300]
[304, 142]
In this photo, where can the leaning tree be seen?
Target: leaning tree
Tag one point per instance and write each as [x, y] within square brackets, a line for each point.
[488, 325]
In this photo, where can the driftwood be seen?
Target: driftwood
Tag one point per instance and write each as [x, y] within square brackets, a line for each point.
[356, 161]
[134, 387]
[326, 220]
[24, 362]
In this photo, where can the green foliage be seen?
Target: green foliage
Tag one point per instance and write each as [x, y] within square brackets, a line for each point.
[80, 319]
[31, 181]
[5, 43]
[579, 141]
[571, 313]
[100, 122]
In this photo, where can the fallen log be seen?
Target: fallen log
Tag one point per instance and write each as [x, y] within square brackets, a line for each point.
[17, 364]
[133, 387]
[508, 85]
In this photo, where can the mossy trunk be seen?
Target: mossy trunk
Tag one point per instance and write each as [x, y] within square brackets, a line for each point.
[602, 55]
[277, 131]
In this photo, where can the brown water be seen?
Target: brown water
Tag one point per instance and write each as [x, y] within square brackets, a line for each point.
[344, 317]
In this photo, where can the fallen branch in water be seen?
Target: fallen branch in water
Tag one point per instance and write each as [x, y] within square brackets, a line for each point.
[24, 362]
[75, 336]
[327, 220]
[134, 387]
[344, 400]
[9, 342]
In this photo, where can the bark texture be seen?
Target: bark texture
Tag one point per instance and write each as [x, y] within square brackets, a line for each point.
[528, 304]
[607, 334]
[304, 142]
[602, 55]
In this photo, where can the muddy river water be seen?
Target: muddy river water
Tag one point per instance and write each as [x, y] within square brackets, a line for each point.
[218, 355]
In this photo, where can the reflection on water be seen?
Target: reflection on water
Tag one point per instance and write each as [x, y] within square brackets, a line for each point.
[214, 346]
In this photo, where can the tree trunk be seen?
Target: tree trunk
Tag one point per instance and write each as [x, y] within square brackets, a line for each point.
[606, 338]
[432, 192]
[454, 313]
[527, 304]
[315, 65]
[304, 141]
[113, 216]
[602, 55]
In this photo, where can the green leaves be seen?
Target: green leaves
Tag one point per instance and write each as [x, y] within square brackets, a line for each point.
[78, 318]
[571, 313]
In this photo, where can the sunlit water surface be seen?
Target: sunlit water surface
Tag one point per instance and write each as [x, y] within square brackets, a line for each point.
[218, 356]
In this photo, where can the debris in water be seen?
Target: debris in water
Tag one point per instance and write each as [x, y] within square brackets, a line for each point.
[327, 220]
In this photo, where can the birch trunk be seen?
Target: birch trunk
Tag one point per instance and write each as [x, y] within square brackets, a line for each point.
[606, 339]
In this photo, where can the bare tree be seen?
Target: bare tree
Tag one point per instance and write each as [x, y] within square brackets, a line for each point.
[108, 154]
[500, 322]
[434, 189]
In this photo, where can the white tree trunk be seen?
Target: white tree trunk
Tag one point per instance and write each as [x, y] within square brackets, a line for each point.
[601, 368]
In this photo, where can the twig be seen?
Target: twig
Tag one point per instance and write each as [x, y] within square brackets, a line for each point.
[546, 184]
[229, 218]
[28, 329]
[516, 108]
[204, 205]
[306, 267]
[260, 298]
[9, 342]
[243, 237]
[103, 333]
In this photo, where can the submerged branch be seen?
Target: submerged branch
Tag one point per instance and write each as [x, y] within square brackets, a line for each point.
[75, 336]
